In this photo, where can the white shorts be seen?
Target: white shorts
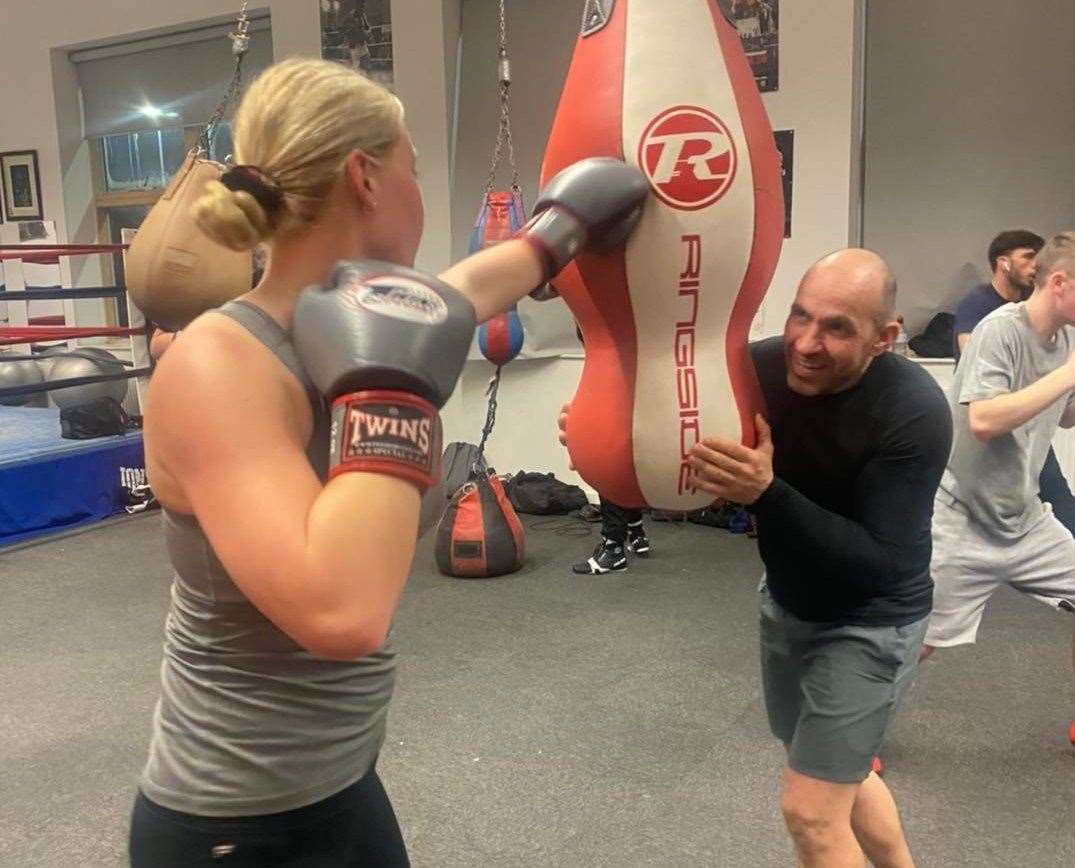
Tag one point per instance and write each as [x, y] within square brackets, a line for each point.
[968, 566]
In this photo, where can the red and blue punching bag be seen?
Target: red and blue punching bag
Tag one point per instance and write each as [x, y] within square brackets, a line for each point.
[665, 85]
[501, 216]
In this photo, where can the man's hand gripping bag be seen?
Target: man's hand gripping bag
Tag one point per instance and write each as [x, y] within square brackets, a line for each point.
[665, 84]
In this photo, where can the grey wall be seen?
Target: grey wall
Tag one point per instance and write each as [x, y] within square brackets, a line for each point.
[970, 129]
[453, 28]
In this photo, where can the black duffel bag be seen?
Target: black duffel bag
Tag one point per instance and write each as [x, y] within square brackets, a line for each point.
[937, 341]
[101, 417]
[543, 494]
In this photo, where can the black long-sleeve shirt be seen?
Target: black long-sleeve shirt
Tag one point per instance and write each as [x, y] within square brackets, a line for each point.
[844, 530]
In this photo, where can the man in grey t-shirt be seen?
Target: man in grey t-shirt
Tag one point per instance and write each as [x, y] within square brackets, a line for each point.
[1012, 388]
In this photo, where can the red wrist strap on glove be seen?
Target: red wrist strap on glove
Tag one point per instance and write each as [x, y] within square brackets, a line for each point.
[382, 431]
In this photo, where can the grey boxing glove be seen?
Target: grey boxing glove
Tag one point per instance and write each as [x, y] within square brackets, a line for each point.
[592, 204]
[385, 345]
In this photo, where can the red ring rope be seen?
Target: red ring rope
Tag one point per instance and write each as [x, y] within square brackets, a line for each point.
[10, 335]
[49, 254]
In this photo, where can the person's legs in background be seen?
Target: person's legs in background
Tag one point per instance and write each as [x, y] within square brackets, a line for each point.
[1055, 491]
[637, 541]
[611, 553]
[1045, 565]
[615, 520]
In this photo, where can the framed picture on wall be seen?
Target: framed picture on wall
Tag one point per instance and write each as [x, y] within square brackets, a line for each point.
[358, 34]
[21, 183]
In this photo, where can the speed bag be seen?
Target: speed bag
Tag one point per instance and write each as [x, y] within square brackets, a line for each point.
[502, 214]
[666, 86]
[479, 535]
[174, 271]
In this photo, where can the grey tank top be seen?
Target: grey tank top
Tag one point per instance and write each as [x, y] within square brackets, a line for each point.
[248, 722]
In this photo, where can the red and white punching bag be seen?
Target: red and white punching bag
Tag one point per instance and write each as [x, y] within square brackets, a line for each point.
[665, 85]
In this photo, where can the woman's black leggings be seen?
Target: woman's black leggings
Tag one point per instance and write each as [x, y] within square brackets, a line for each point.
[356, 827]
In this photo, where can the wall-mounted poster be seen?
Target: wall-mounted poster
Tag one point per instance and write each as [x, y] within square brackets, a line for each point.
[785, 143]
[358, 33]
[758, 23]
[20, 181]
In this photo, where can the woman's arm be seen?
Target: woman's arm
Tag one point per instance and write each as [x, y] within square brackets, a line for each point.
[326, 564]
[496, 278]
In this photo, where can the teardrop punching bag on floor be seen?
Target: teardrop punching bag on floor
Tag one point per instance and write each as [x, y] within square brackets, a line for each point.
[502, 215]
[665, 85]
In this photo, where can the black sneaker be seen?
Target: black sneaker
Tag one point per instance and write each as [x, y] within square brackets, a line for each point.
[608, 557]
[637, 541]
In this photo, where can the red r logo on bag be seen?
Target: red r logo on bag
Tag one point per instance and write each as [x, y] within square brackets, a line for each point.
[689, 156]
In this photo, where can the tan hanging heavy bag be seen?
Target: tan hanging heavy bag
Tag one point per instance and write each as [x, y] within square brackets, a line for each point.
[174, 272]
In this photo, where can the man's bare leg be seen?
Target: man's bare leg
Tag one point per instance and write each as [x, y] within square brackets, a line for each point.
[876, 824]
[818, 816]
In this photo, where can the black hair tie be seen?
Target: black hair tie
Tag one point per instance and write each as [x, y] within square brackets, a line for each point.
[250, 179]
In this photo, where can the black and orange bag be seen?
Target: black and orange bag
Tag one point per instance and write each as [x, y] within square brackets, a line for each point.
[479, 535]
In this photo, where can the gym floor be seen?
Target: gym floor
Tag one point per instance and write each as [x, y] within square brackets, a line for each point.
[543, 719]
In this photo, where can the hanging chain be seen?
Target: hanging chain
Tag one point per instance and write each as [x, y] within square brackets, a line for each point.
[240, 44]
[503, 143]
[490, 417]
[503, 134]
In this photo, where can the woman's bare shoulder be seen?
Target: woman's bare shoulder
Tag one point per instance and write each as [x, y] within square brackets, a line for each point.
[212, 356]
[214, 380]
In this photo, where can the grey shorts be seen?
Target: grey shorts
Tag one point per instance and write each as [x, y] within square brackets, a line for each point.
[969, 565]
[831, 689]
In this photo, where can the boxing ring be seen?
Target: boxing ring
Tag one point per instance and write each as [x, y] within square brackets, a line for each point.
[50, 483]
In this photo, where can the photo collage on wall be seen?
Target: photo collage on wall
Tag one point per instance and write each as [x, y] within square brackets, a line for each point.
[758, 23]
[358, 33]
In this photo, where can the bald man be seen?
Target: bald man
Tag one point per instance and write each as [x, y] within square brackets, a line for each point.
[842, 483]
